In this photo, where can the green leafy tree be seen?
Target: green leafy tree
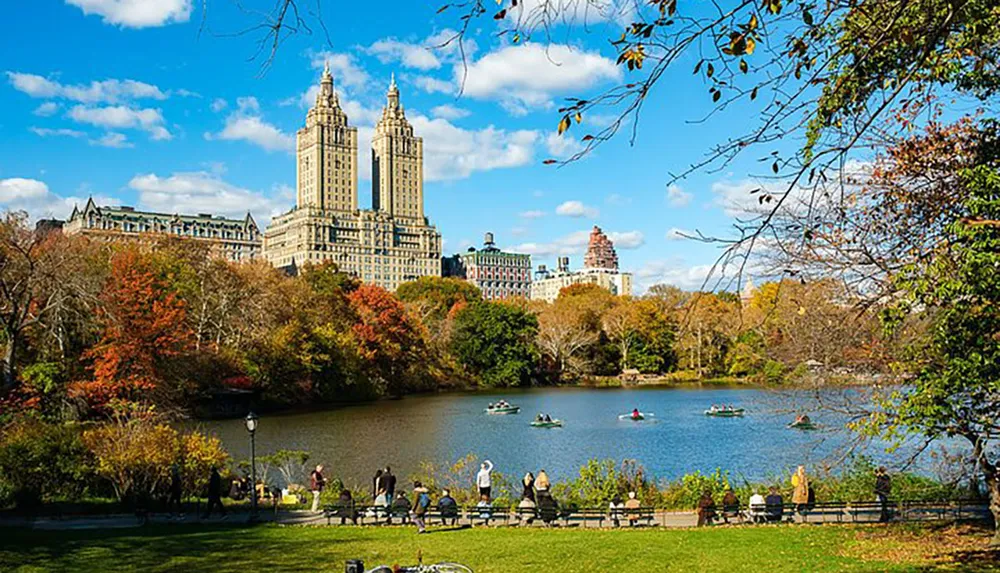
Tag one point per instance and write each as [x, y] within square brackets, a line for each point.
[495, 342]
[955, 389]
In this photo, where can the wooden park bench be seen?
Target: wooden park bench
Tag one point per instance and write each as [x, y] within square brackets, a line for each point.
[868, 510]
[449, 516]
[583, 515]
[485, 515]
[343, 511]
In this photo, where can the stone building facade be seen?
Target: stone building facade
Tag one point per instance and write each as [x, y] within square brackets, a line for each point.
[547, 283]
[498, 274]
[233, 239]
[390, 244]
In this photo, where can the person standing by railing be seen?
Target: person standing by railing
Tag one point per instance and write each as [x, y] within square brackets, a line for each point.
[483, 479]
[883, 487]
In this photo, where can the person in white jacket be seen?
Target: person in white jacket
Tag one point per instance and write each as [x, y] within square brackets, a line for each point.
[483, 480]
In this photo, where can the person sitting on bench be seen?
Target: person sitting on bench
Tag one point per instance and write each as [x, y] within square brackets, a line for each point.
[632, 503]
[730, 505]
[757, 511]
[774, 504]
[448, 507]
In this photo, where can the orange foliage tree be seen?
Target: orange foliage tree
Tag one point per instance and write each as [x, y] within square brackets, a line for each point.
[144, 326]
[388, 338]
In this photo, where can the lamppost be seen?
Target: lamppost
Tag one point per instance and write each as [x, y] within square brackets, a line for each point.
[251, 422]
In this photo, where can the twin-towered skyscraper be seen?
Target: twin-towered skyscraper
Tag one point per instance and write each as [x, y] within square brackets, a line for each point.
[387, 245]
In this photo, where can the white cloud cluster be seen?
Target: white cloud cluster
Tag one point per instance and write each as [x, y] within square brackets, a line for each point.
[114, 140]
[534, 214]
[201, 192]
[671, 273]
[35, 197]
[678, 197]
[246, 124]
[122, 117]
[136, 13]
[408, 54]
[627, 239]
[529, 75]
[450, 112]
[345, 71]
[47, 109]
[104, 91]
[451, 152]
[562, 146]
[576, 209]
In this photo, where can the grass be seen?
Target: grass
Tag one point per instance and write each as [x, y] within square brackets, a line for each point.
[237, 549]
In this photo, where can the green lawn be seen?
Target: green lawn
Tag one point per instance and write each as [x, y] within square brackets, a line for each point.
[222, 549]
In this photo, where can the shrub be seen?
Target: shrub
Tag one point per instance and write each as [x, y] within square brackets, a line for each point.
[40, 462]
[134, 453]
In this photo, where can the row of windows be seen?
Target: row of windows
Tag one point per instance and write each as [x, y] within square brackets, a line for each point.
[188, 230]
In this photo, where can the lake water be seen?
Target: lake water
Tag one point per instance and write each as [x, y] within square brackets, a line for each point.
[353, 441]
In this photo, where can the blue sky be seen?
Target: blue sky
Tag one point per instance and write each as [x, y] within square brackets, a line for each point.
[126, 101]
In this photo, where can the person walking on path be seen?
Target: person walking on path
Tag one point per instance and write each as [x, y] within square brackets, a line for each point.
[214, 494]
[421, 501]
[706, 509]
[542, 482]
[800, 495]
[483, 480]
[883, 487]
[174, 498]
[317, 483]
[389, 484]
[529, 487]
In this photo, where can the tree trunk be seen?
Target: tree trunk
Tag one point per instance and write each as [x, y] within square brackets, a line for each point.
[9, 376]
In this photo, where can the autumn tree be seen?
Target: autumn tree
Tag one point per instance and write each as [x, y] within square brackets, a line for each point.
[387, 337]
[621, 323]
[144, 327]
[565, 333]
[29, 281]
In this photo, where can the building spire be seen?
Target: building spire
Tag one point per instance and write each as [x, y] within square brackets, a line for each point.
[392, 96]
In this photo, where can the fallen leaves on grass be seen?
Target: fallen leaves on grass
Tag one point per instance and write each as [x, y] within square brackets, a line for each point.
[938, 548]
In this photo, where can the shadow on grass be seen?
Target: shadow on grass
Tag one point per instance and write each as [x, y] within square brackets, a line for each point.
[160, 547]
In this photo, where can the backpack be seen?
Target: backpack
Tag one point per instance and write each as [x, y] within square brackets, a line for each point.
[423, 502]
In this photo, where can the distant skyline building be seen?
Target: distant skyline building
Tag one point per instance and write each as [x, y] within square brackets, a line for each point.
[600, 251]
[232, 239]
[498, 274]
[387, 245]
[547, 283]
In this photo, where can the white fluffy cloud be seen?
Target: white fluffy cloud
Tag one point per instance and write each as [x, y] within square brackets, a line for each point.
[562, 146]
[246, 124]
[202, 192]
[534, 214]
[576, 209]
[46, 109]
[450, 112]
[627, 239]
[408, 54]
[672, 273]
[218, 104]
[104, 91]
[345, 71]
[122, 117]
[433, 85]
[112, 139]
[451, 152]
[136, 13]
[678, 197]
[530, 75]
[574, 243]
[34, 196]
[62, 132]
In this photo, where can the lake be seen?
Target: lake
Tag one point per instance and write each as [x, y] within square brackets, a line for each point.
[353, 441]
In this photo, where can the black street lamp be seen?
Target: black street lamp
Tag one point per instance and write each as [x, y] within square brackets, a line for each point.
[251, 423]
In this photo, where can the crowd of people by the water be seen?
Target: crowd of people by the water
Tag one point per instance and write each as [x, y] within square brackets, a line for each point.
[536, 499]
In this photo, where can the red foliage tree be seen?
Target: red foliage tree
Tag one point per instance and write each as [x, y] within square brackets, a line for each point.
[387, 336]
[144, 325]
